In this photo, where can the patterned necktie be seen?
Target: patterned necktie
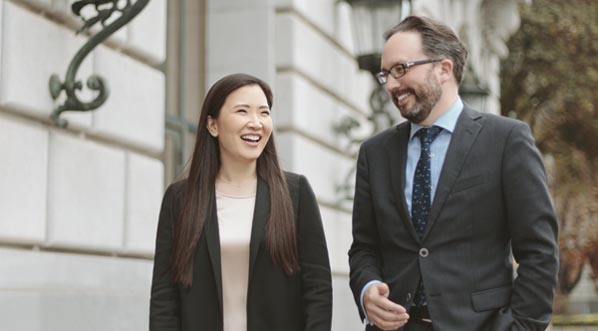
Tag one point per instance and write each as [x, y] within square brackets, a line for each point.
[421, 200]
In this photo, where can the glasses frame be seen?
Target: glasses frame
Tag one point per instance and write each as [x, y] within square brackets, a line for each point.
[382, 76]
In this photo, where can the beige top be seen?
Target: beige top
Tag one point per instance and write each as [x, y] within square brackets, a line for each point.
[235, 216]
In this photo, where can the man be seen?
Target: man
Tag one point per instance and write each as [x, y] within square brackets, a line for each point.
[443, 199]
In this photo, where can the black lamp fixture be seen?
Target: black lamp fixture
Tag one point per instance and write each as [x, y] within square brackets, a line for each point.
[371, 19]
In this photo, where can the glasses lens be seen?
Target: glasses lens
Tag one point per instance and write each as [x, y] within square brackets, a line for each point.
[397, 71]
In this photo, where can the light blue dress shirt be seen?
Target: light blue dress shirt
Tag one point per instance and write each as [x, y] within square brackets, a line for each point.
[438, 150]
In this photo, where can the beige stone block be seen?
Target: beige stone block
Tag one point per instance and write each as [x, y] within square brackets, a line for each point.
[34, 48]
[23, 174]
[86, 194]
[145, 186]
[134, 112]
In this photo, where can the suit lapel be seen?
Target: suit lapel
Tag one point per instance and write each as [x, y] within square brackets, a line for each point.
[465, 133]
[397, 156]
[213, 242]
[260, 218]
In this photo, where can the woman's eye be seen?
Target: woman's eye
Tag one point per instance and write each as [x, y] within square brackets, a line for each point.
[266, 113]
[243, 111]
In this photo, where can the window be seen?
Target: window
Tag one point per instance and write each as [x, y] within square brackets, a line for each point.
[185, 77]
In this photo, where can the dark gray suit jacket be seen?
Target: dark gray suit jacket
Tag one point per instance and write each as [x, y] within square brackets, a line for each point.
[491, 198]
[275, 301]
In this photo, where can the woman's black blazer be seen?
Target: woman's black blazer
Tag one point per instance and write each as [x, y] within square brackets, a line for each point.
[275, 301]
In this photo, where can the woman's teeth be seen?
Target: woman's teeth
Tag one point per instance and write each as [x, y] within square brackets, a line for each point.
[253, 138]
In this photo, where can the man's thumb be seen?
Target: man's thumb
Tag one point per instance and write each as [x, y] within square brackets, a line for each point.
[383, 289]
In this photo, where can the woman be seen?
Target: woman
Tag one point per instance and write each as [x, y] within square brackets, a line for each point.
[240, 244]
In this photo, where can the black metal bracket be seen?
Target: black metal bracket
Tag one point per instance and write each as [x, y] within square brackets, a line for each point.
[380, 120]
[104, 10]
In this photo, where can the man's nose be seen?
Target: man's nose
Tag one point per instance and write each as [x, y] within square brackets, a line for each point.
[392, 83]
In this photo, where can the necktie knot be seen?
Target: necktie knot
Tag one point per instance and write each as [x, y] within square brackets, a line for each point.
[427, 135]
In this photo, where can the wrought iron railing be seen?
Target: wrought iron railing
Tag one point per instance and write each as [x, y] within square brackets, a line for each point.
[349, 127]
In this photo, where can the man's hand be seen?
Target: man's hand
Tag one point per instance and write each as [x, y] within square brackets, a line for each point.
[384, 313]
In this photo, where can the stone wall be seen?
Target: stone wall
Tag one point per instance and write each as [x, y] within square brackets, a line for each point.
[78, 206]
[317, 84]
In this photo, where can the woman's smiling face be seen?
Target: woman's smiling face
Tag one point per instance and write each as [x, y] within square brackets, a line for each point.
[243, 126]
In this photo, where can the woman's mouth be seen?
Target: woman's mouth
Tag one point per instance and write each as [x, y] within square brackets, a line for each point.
[252, 138]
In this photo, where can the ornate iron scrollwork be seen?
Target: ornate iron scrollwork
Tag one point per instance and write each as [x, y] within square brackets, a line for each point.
[104, 10]
[380, 120]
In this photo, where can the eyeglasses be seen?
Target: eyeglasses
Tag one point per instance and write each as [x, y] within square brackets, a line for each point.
[400, 69]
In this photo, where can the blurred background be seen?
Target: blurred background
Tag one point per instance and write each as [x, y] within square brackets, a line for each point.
[79, 200]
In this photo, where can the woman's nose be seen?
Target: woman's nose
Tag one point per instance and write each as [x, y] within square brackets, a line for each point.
[255, 122]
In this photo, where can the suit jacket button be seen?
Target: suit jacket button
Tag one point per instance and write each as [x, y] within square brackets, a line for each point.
[424, 252]
[408, 297]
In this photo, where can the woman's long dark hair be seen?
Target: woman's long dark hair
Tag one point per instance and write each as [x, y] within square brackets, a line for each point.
[199, 191]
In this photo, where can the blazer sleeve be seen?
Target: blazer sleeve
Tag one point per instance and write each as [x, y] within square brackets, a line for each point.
[533, 227]
[164, 299]
[364, 255]
[316, 280]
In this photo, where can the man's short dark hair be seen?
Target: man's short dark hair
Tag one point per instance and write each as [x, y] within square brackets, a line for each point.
[438, 41]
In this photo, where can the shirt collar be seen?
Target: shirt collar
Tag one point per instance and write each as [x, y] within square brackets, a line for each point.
[447, 121]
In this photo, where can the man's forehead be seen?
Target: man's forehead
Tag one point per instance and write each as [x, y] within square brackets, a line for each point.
[403, 46]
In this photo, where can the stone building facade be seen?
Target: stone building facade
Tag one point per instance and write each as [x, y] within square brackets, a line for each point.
[79, 206]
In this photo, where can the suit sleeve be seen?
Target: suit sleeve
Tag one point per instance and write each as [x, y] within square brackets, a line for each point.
[364, 255]
[313, 259]
[533, 227]
[164, 300]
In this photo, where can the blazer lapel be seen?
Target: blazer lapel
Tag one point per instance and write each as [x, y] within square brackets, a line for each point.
[465, 133]
[213, 242]
[260, 218]
[397, 156]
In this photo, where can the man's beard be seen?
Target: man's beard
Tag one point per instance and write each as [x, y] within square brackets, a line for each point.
[425, 100]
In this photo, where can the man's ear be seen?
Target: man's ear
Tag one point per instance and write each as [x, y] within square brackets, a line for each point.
[212, 127]
[446, 70]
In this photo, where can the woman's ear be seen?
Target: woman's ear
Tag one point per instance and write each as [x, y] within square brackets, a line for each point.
[212, 127]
